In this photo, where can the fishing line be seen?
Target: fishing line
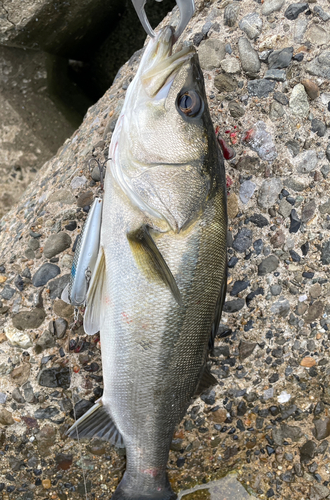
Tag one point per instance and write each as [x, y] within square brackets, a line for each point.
[75, 320]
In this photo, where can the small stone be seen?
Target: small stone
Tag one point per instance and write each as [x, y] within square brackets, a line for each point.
[293, 11]
[246, 349]
[17, 396]
[278, 75]
[281, 98]
[61, 308]
[45, 341]
[18, 338]
[7, 293]
[275, 290]
[78, 182]
[318, 492]
[230, 14]
[242, 240]
[259, 220]
[284, 208]
[218, 416]
[46, 438]
[246, 191]
[230, 65]
[278, 239]
[325, 170]
[268, 265]
[269, 191]
[56, 244]
[260, 88]
[45, 273]
[298, 101]
[6, 417]
[61, 326]
[248, 56]
[280, 59]
[306, 161]
[319, 127]
[270, 6]
[317, 35]
[263, 56]
[211, 52]
[321, 13]
[46, 483]
[320, 66]
[3, 398]
[55, 377]
[21, 374]
[225, 83]
[308, 362]
[314, 312]
[325, 207]
[276, 110]
[293, 146]
[232, 306]
[238, 287]
[232, 205]
[57, 286]
[46, 413]
[295, 222]
[300, 27]
[308, 211]
[307, 451]
[321, 428]
[260, 141]
[28, 320]
[85, 198]
[251, 24]
[62, 196]
[327, 152]
[311, 88]
[236, 110]
[281, 307]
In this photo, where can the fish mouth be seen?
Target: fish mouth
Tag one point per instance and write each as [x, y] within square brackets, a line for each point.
[161, 66]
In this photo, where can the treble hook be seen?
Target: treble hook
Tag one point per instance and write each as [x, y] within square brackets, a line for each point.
[186, 8]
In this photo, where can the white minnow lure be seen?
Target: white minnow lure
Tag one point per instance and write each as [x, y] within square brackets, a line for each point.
[85, 257]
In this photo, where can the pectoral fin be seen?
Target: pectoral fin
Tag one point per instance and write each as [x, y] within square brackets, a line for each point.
[95, 297]
[149, 258]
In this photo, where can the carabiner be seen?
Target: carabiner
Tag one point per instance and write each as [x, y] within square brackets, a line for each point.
[186, 8]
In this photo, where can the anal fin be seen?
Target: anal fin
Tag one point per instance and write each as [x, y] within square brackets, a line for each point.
[207, 381]
[95, 297]
[149, 258]
[97, 422]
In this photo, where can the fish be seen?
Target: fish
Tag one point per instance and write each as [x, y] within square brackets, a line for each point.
[159, 283]
[85, 257]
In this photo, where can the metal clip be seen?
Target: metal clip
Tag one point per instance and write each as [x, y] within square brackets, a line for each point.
[186, 7]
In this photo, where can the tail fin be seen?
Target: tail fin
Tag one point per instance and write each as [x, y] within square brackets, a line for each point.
[97, 422]
[130, 493]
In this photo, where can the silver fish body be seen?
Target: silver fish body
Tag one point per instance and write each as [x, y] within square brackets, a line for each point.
[159, 284]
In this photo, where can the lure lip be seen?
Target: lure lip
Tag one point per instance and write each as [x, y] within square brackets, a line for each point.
[186, 8]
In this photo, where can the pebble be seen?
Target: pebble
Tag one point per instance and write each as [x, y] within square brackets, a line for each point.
[284, 208]
[28, 320]
[321, 13]
[232, 205]
[235, 109]
[57, 286]
[242, 240]
[56, 244]
[319, 127]
[18, 338]
[270, 6]
[60, 327]
[21, 374]
[281, 307]
[327, 152]
[275, 290]
[230, 14]
[258, 219]
[225, 83]
[269, 191]
[293, 146]
[45, 341]
[246, 191]
[295, 222]
[78, 182]
[320, 66]
[3, 398]
[260, 141]
[276, 110]
[7, 293]
[45, 273]
[232, 306]
[56, 376]
[260, 88]
[293, 11]
[306, 161]
[248, 56]
[308, 211]
[278, 75]
[311, 88]
[211, 52]
[251, 24]
[17, 396]
[230, 65]
[322, 428]
[62, 196]
[298, 102]
[317, 35]
[280, 59]
[6, 417]
[238, 287]
[245, 349]
[268, 265]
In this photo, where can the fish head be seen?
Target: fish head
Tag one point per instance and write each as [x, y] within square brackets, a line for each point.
[168, 121]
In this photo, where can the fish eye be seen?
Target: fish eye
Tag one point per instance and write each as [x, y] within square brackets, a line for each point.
[189, 103]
